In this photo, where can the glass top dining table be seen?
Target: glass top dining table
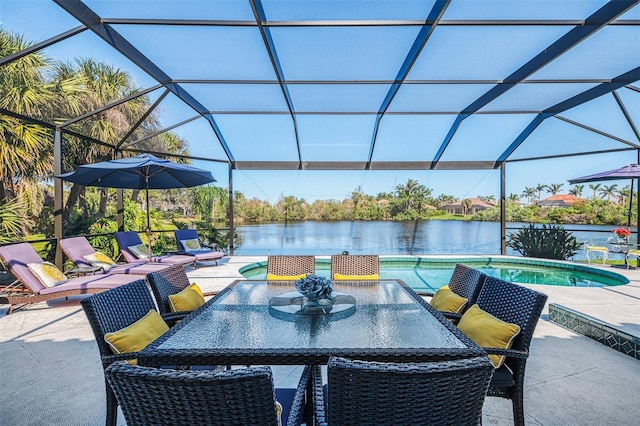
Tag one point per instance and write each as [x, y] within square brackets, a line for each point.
[389, 322]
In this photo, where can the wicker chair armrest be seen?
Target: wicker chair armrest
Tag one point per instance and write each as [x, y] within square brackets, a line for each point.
[209, 293]
[172, 318]
[317, 397]
[296, 415]
[426, 293]
[513, 353]
[453, 316]
[110, 359]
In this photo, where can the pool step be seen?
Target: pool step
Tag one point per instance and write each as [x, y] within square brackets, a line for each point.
[595, 329]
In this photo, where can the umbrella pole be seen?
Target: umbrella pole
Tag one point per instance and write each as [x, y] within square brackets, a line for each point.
[148, 218]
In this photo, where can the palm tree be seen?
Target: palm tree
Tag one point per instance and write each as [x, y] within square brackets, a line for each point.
[609, 191]
[594, 187]
[554, 188]
[577, 190]
[539, 188]
[529, 193]
[466, 205]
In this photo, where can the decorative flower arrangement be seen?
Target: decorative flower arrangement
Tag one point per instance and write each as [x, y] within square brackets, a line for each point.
[622, 232]
[314, 287]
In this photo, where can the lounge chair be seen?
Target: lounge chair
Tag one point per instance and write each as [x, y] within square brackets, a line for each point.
[29, 289]
[76, 248]
[243, 396]
[389, 394]
[355, 267]
[289, 267]
[130, 240]
[188, 244]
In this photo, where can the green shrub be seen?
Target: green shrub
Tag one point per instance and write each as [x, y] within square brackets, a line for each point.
[546, 241]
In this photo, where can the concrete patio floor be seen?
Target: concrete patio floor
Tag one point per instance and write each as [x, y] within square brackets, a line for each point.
[50, 370]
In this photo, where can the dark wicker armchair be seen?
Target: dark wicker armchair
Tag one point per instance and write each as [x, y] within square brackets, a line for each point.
[466, 282]
[354, 264]
[291, 265]
[375, 393]
[166, 282]
[244, 396]
[109, 312]
[518, 305]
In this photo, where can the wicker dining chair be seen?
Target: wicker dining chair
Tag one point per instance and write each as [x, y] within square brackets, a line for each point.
[111, 311]
[465, 282]
[165, 283]
[244, 396]
[291, 265]
[355, 264]
[396, 394]
[517, 305]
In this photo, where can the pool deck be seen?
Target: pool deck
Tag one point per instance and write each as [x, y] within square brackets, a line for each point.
[51, 373]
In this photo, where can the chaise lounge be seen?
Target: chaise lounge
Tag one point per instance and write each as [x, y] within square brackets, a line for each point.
[129, 242]
[78, 249]
[29, 289]
[188, 244]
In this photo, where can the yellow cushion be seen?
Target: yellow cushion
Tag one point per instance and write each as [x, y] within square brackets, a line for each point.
[141, 251]
[138, 335]
[488, 331]
[197, 288]
[48, 273]
[187, 300]
[191, 245]
[101, 260]
[356, 277]
[274, 277]
[446, 300]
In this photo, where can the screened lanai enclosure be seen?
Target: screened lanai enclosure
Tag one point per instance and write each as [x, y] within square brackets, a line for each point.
[368, 85]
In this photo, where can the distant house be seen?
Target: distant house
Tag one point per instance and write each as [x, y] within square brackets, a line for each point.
[477, 205]
[559, 200]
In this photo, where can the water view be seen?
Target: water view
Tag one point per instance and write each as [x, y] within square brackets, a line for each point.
[390, 237]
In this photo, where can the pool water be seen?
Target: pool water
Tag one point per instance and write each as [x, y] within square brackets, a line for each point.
[429, 274]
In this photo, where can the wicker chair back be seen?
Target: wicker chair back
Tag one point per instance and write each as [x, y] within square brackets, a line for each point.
[434, 393]
[291, 265]
[354, 264]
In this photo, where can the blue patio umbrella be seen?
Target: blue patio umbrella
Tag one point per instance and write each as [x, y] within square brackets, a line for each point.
[144, 171]
[631, 171]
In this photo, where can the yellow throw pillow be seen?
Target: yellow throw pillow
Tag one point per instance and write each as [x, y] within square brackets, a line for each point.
[356, 277]
[141, 251]
[187, 300]
[197, 288]
[48, 273]
[446, 300]
[138, 335]
[274, 277]
[191, 245]
[488, 331]
[101, 260]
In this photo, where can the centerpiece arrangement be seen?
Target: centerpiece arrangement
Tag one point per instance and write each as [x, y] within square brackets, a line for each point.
[317, 293]
[622, 233]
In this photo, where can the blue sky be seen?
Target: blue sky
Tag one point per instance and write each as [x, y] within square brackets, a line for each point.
[40, 19]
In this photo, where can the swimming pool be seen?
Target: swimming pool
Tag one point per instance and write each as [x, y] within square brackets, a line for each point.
[424, 273]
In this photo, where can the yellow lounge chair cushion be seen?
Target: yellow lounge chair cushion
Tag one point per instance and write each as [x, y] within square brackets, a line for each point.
[356, 277]
[138, 335]
[187, 300]
[488, 331]
[446, 300]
